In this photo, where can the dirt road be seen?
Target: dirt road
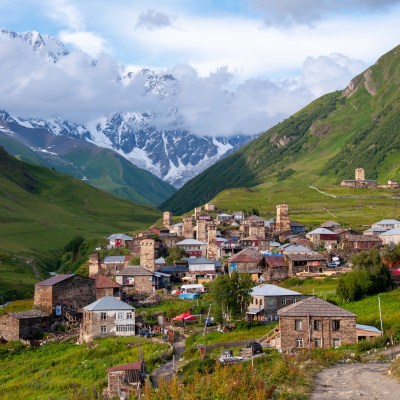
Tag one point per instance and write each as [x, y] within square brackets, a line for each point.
[356, 381]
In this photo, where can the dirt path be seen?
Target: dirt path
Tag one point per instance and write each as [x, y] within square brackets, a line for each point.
[166, 371]
[356, 381]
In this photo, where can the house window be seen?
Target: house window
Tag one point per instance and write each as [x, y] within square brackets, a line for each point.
[256, 301]
[284, 301]
[103, 316]
[317, 342]
[298, 324]
[120, 315]
[129, 315]
[270, 302]
[317, 324]
[293, 300]
[299, 342]
[261, 302]
[336, 342]
[335, 325]
[103, 329]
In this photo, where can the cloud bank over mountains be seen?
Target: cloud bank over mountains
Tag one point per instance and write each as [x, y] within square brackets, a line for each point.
[79, 89]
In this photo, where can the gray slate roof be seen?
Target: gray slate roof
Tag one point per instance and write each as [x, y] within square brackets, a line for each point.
[314, 307]
[188, 242]
[198, 260]
[272, 290]
[114, 259]
[108, 303]
[55, 279]
[135, 270]
[386, 222]
[295, 248]
[394, 231]
[321, 231]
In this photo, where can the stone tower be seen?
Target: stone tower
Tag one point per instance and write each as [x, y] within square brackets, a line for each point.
[201, 231]
[197, 212]
[188, 227]
[94, 264]
[148, 253]
[212, 245]
[257, 228]
[167, 219]
[282, 217]
[360, 174]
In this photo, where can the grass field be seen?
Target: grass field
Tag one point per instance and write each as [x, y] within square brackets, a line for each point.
[66, 370]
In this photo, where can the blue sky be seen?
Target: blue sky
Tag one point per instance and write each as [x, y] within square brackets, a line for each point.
[274, 55]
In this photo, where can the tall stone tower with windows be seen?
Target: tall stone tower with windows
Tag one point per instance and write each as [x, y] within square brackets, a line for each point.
[282, 217]
[167, 218]
[148, 254]
[257, 229]
[187, 227]
[201, 231]
[212, 245]
[359, 174]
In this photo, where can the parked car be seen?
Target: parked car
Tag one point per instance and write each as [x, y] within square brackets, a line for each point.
[331, 264]
[255, 347]
[145, 333]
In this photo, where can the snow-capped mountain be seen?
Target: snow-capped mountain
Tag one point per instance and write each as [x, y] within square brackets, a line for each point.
[173, 154]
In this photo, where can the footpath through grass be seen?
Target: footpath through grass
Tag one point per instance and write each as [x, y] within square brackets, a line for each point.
[66, 370]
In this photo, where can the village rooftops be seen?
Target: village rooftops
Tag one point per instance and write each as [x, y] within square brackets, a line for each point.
[199, 260]
[55, 279]
[375, 229]
[295, 248]
[363, 238]
[275, 261]
[28, 314]
[174, 268]
[114, 259]
[321, 231]
[255, 218]
[105, 282]
[329, 224]
[246, 255]
[108, 303]
[313, 256]
[190, 242]
[394, 231]
[273, 290]
[120, 236]
[368, 328]
[386, 222]
[134, 270]
[138, 365]
[314, 307]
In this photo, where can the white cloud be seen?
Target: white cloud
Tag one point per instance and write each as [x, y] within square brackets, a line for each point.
[152, 20]
[86, 41]
[65, 13]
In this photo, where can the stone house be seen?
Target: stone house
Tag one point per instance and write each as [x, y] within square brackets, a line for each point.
[257, 243]
[247, 261]
[386, 224]
[108, 267]
[177, 228]
[69, 290]
[135, 278]
[105, 286]
[311, 262]
[390, 237]
[201, 267]
[228, 248]
[193, 247]
[123, 380]
[361, 242]
[23, 325]
[107, 317]
[331, 225]
[267, 299]
[312, 323]
[366, 332]
[118, 240]
[209, 207]
[323, 237]
[276, 268]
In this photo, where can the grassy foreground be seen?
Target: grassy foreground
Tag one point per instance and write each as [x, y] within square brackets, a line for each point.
[66, 370]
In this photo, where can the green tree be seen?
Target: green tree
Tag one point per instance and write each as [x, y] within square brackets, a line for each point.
[175, 254]
[231, 296]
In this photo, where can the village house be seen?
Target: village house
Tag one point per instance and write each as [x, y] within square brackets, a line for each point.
[238, 216]
[297, 228]
[367, 332]
[64, 291]
[323, 237]
[24, 325]
[228, 248]
[135, 278]
[105, 286]
[267, 299]
[224, 217]
[359, 180]
[391, 237]
[247, 261]
[331, 225]
[386, 224]
[193, 247]
[312, 323]
[209, 207]
[123, 380]
[176, 272]
[257, 243]
[310, 262]
[107, 317]
[374, 231]
[294, 248]
[108, 267]
[276, 268]
[361, 242]
[202, 268]
[177, 228]
[252, 220]
[118, 240]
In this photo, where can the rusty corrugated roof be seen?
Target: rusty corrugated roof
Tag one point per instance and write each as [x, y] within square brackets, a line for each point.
[55, 279]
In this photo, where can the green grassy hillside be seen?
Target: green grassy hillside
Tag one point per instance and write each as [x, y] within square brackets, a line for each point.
[319, 146]
[103, 168]
[41, 210]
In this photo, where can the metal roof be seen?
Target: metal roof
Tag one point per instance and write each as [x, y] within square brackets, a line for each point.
[368, 328]
[105, 282]
[386, 222]
[126, 367]
[394, 231]
[114, 259]
[295, 248]
[314, 307]
[119, 236]
[198, 260]
[275, 261]
[188, 242]
[272, 290]
[313, 256]
[55, 279]
[171, 269]
[321, 231]
[108, 303]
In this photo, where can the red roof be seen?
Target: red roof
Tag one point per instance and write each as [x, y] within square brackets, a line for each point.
[275, 261]
[126, 367]
[246, 255]
[104, 282]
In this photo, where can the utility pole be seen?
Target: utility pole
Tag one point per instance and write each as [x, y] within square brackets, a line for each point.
[380, 314]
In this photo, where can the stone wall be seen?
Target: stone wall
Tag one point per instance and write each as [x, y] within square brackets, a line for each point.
[257, 229]
[12, 328]
[345, 335]
[9, 327]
